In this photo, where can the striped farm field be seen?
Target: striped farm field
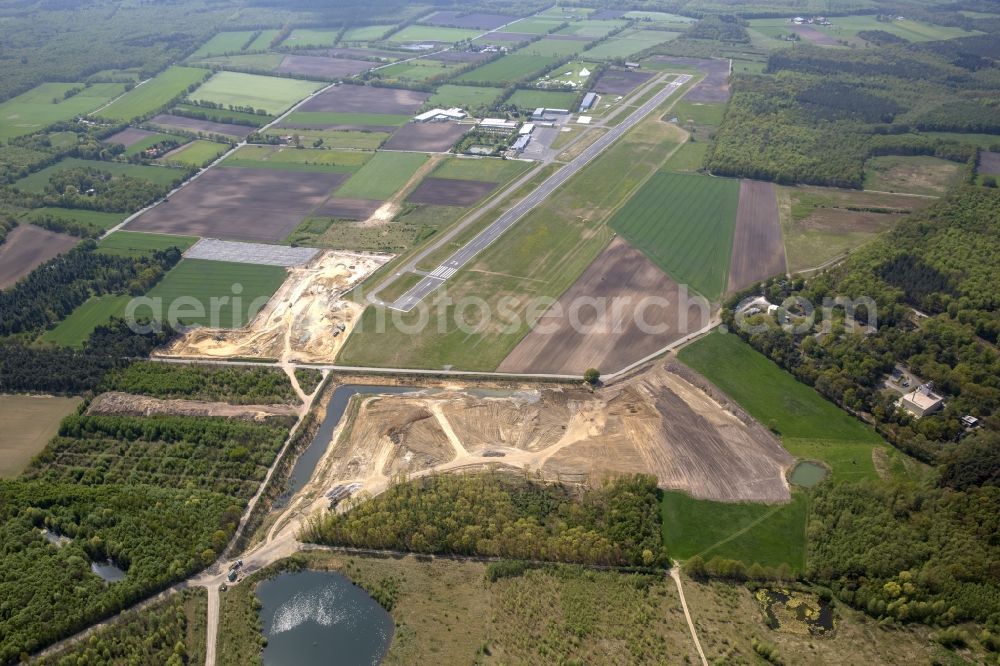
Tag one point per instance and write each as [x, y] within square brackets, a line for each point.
[684, 223]
[509, 69]
[154, 94]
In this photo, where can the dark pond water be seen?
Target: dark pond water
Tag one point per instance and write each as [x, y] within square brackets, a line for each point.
[306, 464]
[816, 614]
[108, 570]
[319, 618]
[807, 474]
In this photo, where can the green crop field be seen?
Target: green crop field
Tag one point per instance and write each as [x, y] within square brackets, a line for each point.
[481, 168]
[770, 535]
[310, 37]
[198, 153]
[627, 42]
[91, 218]
[224, 42]
[771, 395]
[685, 224]
[225, 115]
[271, 93]
[416, 70]
[323, 118]
[337, 139]
[365, 33]
[263, 40]
[509, 69]
[551, 99]
[133, 243]
[266, 62]
[465, 97]
[74, 330]
[534, 26]
[591, 28]
[152, 95]
[847, 28]
[44, 105]
[151, 141]
[554, 47]
[191, 286]
[382, 176]
[301, 159]
[160, 175]
[432, 33]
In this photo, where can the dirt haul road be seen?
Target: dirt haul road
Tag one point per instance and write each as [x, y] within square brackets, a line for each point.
[306, 321]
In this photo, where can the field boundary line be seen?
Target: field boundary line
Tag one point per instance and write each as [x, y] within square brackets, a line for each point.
[741, 532]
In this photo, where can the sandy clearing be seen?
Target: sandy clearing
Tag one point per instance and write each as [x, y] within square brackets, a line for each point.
[306, 320]
[127, 404]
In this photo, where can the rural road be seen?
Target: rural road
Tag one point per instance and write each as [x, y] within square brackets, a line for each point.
[487, 236]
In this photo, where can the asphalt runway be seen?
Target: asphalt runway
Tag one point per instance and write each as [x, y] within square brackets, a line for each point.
[468, 252]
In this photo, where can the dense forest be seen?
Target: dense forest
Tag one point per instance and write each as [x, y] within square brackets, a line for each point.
[499, 514]
[27, 368]
[163, 633]
[240, 385]
[913, 555]
[819, 113]
[933, 280]
[158, 535]
[53, 290]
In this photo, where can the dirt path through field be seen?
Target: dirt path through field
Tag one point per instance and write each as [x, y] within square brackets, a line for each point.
[387, 211]
[675, 574]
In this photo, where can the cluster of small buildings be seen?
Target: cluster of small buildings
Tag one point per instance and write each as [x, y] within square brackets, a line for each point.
[816, 20]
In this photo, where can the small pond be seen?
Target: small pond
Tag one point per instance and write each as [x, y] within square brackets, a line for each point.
[108, 570]
[796, 612]
[304, 467]
[314, 618]
[808, 474]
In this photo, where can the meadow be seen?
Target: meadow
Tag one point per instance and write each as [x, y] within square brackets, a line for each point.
[263, 40]
[270, 93]
[28, 423]
[685, 224]
[45, 104]
[627, 42]
[771, 395]
[152, 95]
[134, 243]
[912, 174]
[320, 119]
[224, 42]
[591, 27]
[770, 535]
[90, 218]
[382, 176]
[432, 33]
[159, 175]
[74, 330]
[524, 98]
[492, 170]
[310, 37]
[305, 159]
[336, 139]
[553, 47]
[417, 71]
[365, 33]
[509, 69]
[203, 281]
[847, 28]
[534, 25]
[465, 97]
[150, 141]
[198, 153]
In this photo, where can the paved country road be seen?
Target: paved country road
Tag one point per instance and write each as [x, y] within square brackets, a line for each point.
[465, 254]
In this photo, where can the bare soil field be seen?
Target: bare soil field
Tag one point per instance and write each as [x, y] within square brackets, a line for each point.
[427, 137]
[450, 192]
[250, 253]
[598, 322]
[758, 250]
[656, 422]
[334, 68]
[360, 54]
[366, 99]
[989, 163]
[27, 423]
[307, 319]
[714, 87]
[126, 404]
[348, 209]
[129, 136]
[620, 81]
[195, 125]
[479, 20]
[813, 35]
[27, 247]
[256, 205]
